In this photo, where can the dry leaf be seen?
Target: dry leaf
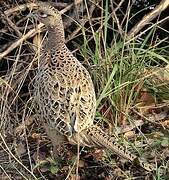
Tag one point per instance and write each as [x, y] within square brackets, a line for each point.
[129, 134]
[81, 163]
[20, 149]
[98, 154]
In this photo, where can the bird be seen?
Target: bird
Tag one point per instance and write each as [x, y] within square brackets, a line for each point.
[65, 94]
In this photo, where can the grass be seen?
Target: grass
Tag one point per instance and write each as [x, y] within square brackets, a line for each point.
[120, 70]
[119, 74]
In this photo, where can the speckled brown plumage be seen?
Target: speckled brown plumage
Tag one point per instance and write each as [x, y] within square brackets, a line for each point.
[65, 94]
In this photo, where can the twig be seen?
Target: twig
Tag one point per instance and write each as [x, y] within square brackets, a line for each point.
[126, 14]
[19, 41]
[11, 24]
[31, 32]
[89, 18]
[155, 119]
[32, 5]
[70, 6]
[146, 19]
[116, 19]
[19, 8]
[143, 32]
[7, 148]
[120, 130]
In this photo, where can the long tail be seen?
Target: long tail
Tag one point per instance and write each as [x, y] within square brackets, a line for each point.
[98, 138]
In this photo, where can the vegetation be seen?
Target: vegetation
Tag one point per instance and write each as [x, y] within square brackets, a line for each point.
[128, 63]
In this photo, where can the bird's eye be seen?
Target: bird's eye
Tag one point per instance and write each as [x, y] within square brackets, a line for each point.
[42, 14]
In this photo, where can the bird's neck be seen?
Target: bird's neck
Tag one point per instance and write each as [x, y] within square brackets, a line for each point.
[56, 36]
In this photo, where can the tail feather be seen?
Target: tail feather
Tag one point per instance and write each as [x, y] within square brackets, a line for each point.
[99, 138]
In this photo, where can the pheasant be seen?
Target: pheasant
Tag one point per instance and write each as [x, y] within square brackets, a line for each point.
[65, 93]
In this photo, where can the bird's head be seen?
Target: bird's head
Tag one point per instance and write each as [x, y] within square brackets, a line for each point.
[47, 14]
